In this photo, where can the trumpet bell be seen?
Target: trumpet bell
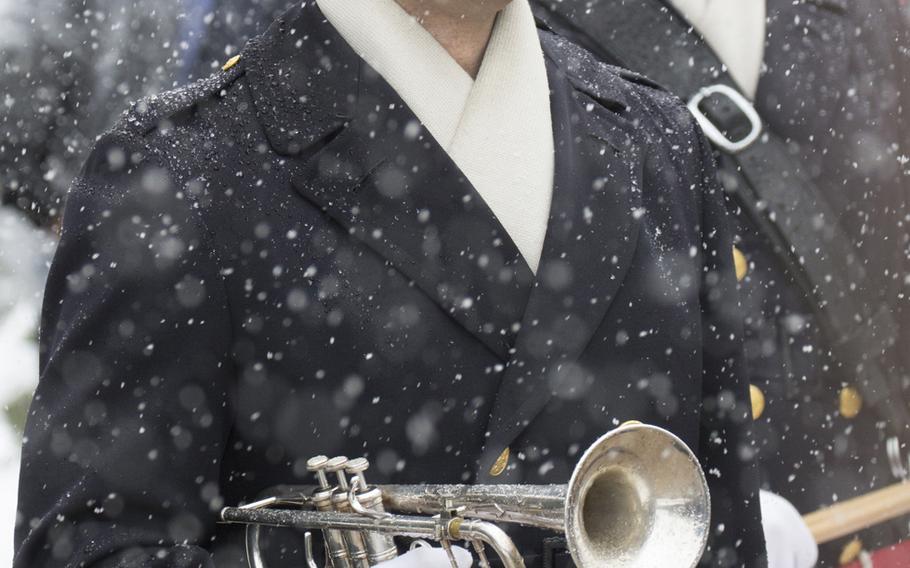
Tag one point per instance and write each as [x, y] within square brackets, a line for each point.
[634, 501]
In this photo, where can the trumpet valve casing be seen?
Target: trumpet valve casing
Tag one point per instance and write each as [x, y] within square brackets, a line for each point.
[335, 545]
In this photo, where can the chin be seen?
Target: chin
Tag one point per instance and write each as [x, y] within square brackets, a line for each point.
[468, 7]
[495, 4]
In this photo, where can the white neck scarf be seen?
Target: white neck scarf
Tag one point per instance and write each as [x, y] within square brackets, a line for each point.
[735, 29]
[497, 129]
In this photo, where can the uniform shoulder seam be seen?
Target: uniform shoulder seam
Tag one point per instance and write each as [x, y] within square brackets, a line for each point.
[637, 78]
[591, 75]
[144, 114]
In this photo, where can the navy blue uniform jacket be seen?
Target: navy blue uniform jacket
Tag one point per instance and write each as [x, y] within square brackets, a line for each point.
[280, 261]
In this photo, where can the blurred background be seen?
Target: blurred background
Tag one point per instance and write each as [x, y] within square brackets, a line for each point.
[68, 68]
[25, 252]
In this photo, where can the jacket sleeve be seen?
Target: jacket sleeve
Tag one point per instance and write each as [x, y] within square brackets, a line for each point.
[121, 458]
[725, 442]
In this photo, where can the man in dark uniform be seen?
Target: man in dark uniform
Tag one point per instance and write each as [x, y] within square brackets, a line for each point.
[833, 85]
[850, 75]
[283, 261]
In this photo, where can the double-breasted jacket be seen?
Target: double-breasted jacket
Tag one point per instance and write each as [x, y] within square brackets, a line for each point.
[280, 261]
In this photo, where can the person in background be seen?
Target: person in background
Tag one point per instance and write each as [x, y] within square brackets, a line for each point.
[69, 68]
[832, 78]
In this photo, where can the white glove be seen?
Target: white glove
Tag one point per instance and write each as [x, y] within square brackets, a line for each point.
[429, 557]
[789, 542]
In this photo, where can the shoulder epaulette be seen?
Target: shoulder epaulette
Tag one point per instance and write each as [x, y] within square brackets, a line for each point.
[144, 114]
[638, 78]
[607, 83]
[587, 73]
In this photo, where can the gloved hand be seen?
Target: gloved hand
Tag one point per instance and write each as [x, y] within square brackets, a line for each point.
[789, 542]
[429, 557]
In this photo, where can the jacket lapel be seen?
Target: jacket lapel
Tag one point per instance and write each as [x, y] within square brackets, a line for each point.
[589, 246]
[355, 150]
[362, 156]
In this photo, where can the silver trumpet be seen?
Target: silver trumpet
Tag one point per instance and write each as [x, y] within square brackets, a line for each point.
[637, 498]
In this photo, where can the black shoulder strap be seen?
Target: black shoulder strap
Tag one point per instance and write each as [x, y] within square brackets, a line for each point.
[767, 179]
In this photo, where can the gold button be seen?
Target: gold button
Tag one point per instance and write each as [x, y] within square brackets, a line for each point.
[851, 551]
[500, 465]
[230, 62]
[758, 401]
[850, 402]
[741, 264]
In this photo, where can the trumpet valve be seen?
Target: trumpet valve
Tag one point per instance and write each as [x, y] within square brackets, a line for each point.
[336, 465]
[316, 465]
[367, 501]
[355, 469]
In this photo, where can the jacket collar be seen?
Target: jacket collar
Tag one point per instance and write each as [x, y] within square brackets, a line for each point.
[304, 78]
[360, 154]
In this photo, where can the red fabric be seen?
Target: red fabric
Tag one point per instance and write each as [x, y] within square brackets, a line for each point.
[895, 556]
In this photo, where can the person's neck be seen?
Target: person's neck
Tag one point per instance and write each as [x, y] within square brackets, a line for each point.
[464, 32]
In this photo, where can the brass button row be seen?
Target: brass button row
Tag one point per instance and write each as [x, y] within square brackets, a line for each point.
[500, 464]
[758, 401]
[741, 263]
[850, 402]
[851, 551]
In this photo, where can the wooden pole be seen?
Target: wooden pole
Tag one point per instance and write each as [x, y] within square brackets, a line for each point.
[848, 517]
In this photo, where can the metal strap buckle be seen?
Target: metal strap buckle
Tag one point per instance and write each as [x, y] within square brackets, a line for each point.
[896, 459]
[711, 130]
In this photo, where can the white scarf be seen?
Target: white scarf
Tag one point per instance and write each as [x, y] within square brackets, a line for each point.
[735, 29]
[497, 129]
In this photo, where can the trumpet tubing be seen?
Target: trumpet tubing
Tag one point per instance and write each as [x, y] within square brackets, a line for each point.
[636, 498]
